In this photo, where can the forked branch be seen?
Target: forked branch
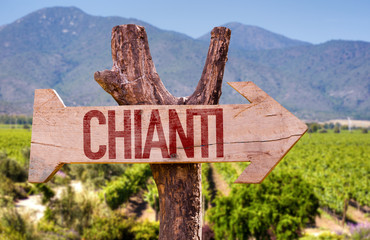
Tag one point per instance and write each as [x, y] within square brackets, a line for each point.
[133, 79]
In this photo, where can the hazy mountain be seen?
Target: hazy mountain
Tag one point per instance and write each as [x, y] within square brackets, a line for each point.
[61, 48]
[316, 81]
[256, 38]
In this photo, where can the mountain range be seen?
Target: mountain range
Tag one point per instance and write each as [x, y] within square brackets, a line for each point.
[62, 47]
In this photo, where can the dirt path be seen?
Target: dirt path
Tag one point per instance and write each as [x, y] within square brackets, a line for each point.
[328, 223]
[219, 182]
[32, 206]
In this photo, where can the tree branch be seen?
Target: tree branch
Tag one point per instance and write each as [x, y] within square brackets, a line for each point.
[133, 79]
[208, 91]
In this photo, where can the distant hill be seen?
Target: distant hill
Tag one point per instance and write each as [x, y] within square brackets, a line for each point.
[62, 47]
[256, 38]
[315, 81]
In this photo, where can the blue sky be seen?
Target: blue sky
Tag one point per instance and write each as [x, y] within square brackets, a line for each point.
[315, 21]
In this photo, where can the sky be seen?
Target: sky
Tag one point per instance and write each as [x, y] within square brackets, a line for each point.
[314, 21]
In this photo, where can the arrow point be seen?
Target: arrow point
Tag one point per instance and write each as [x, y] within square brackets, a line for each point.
[260, 167]
[256, 173]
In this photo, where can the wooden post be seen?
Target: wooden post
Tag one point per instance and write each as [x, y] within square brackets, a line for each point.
[133, 80]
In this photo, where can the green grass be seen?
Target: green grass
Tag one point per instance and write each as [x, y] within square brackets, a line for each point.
[11, 126]
[14, 141]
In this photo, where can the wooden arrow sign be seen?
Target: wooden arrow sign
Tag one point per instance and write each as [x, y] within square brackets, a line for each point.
[261, 132]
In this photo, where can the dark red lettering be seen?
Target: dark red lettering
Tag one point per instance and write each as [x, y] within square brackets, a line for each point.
[87, 134]
[204, 113]
[219, 132]
[155, 123]
[113, 134]
[138, 136]
[186, 140]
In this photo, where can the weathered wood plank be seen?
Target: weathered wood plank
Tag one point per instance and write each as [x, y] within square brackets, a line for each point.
[261, 132]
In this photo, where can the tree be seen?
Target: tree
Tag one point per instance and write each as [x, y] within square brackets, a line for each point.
[336, 129]
[133, 80]
[313, 127]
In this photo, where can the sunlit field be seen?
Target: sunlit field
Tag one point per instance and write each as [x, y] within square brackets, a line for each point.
[325, 175]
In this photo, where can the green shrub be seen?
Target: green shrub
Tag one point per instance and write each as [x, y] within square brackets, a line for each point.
[44, 189]
[94, 174]
[13, 190]
[117, 226]
[11, 221]
[13, 226]
[70, 214]
[119, 190]
[336, 129]
[278, 208]
[146, 230]
[114, 227]
[313, 127]
[12, 169]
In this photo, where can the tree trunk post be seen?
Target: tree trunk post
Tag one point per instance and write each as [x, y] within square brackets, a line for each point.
[133, 80]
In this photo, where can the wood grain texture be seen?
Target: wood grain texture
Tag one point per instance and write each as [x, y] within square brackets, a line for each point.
[208, 91]
[261, 132]
[133, 79]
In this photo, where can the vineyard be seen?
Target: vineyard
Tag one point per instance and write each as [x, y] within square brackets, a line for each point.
[14, 141]
[336, 165]
[324, 173]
